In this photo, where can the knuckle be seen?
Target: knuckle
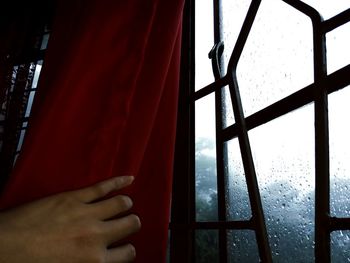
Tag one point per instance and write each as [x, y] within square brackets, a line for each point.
[66, 200]
[97, 258]
[93, 230]
[99, 190]
[89, 232]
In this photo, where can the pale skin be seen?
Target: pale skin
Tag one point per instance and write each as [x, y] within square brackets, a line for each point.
[70, 227]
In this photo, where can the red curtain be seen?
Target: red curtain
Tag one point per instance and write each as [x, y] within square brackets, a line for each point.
[106, 106]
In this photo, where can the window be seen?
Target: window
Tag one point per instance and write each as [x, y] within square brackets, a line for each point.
[261, 167]
[25, 31]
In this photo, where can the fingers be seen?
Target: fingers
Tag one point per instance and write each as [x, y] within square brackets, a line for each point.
[103, 188]
[118, 229]
[111, 207]
[122, 254]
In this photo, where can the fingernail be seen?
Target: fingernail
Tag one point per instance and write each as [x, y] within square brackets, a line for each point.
[127, 201]
[127, 179]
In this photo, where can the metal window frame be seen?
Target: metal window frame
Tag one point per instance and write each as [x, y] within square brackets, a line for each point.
[183, 224]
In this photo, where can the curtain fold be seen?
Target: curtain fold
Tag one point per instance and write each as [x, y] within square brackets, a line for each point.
[106, 106]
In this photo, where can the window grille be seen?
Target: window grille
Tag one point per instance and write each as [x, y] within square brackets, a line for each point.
[25, 31]
[237, 132]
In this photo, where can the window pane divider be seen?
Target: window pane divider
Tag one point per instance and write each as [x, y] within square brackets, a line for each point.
[336, 223]
[221, 149]
[336, 21]
[333, 82]
[244, 224]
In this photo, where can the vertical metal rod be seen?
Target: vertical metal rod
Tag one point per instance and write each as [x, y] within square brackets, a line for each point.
[192, 151]
[322, 219]
[220, 146]
[183, 201]
[322, 233]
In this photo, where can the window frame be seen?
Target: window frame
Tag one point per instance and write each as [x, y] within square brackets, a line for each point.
[25, 30]
[183, 222]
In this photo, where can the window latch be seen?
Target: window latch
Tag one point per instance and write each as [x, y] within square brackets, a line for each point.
[215, 56]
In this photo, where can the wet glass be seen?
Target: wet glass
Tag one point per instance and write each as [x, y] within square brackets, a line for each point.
[338, 53]
[205, 159]
[242, 246]
[340, 246]
[207, 246]
[237, 199]
[283, 152]
[228, 115]
[277, 59]
[339, 150]
[204, 35]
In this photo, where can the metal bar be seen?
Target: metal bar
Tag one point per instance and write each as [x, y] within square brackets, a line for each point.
[221, 156]
[339, 224]
[225, 225]
[322, 234]
[216, 85]
[305, 9]
[336, 21]
[28, 90]
[333, 82]
[338, 79]
[32, 56]
[252, 184]
[192, 142]
[242, 37]
[183, 200]
[214, 225]
[248, 164]
[285, 105]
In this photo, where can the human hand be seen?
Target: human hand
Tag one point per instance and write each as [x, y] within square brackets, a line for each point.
[70, 227]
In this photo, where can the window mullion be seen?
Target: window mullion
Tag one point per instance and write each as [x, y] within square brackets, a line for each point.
[322, 192]
[221, 151]
[183, 197]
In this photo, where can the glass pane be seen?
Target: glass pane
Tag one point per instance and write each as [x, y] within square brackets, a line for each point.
[45, 41]
[228, 116]
[340, 246]
[36, 76]
[270, 66]
[338, 54]
[242, 246]
[283, 152]
[328, 8]
[20, 141]
[339, 148]
[204, 36]
[14, 76]
[207, 246]
[168, 248]
[206, 184]
[34, 86]
[233, 14]
[238, 205]
[30, 103]
[15, 160]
